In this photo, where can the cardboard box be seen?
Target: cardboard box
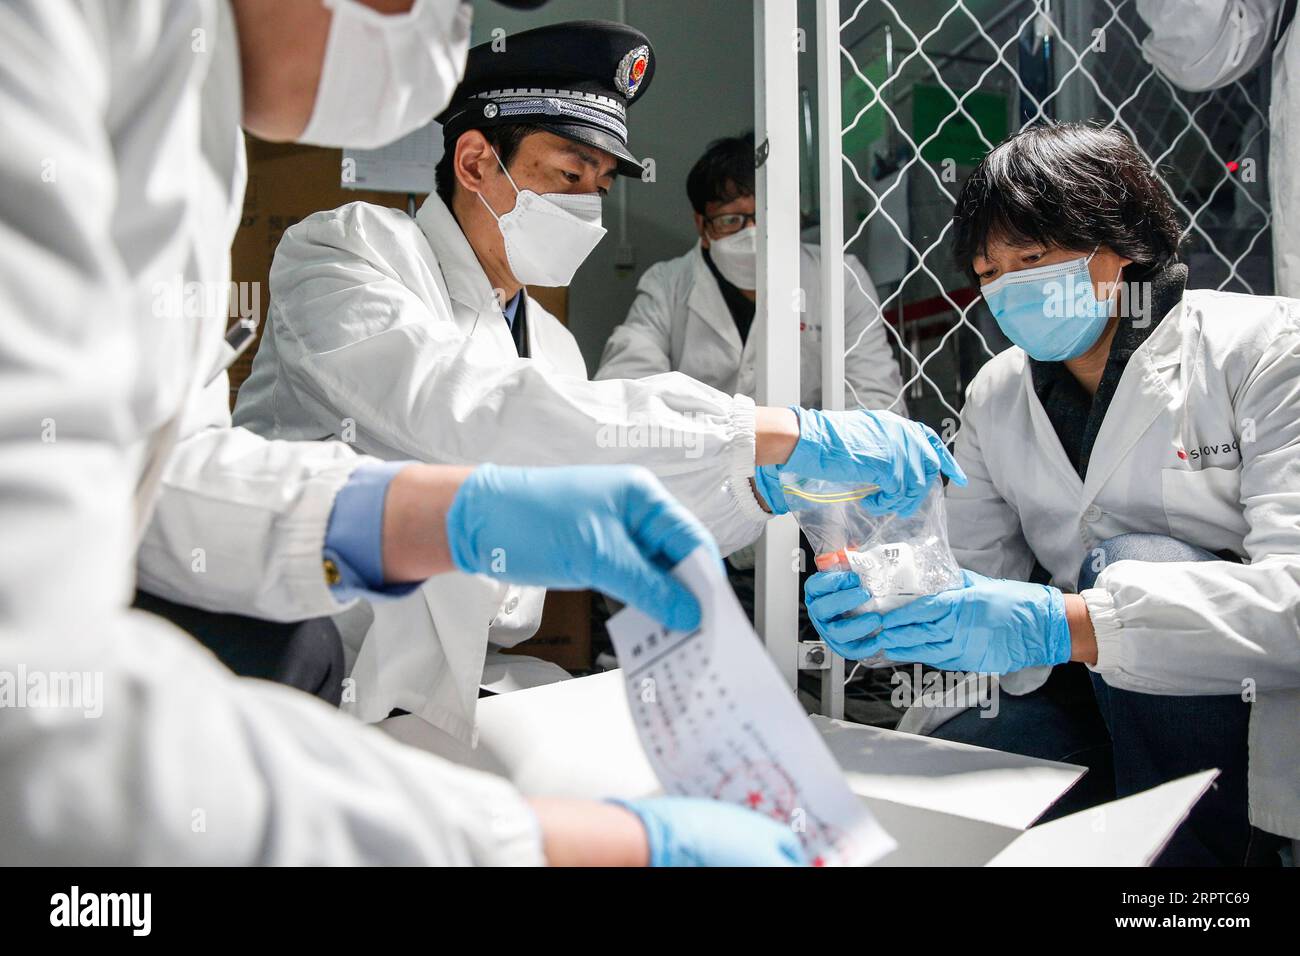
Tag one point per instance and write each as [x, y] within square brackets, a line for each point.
[286, 183]
[564, 636]
[946, 804]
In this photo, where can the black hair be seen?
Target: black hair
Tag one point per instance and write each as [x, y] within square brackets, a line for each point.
[506, 140]
[1068, 185]
[725, 172]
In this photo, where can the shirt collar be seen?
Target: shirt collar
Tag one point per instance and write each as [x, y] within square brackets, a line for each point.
[467, 283]
[512, 307]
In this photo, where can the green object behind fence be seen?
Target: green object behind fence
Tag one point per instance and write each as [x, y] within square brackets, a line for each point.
[958, 139]
[853, 96]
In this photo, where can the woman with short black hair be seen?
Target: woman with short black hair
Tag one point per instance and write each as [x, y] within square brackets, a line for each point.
[1133, 505]
[1067, 186]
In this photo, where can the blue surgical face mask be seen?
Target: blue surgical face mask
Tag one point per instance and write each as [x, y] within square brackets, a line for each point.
[1049, 311]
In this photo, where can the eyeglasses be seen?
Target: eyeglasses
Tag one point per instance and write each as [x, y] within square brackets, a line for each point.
[729, 223]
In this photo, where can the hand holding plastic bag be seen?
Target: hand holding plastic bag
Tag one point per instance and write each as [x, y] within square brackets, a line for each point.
[901, 458]
[870, 564]
[988, 625]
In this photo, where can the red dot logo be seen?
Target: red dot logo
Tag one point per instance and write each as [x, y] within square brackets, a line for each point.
[1182, 454]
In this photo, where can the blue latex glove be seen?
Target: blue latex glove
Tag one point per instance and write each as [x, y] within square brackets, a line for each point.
[686, 831]
[612, 528]
[862, 447]
[991, 626]
[767, 479]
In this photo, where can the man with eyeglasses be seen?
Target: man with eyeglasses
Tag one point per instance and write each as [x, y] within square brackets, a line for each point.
[693, 314]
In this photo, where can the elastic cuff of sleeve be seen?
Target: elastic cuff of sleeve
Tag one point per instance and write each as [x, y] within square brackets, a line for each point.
[1112, 655]
[740, 471]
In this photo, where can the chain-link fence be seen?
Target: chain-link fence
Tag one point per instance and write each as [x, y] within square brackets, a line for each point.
[927, 88]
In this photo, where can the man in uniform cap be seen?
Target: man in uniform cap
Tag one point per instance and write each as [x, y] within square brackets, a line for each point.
[576, 80]
[418, 339]
[572, 83]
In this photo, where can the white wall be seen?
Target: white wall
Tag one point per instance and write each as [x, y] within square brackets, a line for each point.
[703, 88]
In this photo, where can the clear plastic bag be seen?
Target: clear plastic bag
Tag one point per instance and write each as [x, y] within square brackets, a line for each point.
[898, 559]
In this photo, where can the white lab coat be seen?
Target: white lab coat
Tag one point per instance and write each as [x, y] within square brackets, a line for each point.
[123, 172]
[1219, 379]
[1205, 44]
[386, 330]
[679, 322]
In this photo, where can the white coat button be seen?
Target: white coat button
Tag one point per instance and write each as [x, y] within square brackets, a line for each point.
[511, 605]
[1093, 513]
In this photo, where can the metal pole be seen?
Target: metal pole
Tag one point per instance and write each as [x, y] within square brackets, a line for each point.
[776, 129]
[831, 183]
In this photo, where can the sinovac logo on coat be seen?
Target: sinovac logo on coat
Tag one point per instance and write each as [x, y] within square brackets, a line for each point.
[1208, 451]
[75, 908]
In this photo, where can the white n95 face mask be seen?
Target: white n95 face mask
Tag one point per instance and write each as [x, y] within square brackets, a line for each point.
[386, 75]
[736, 257]
[548, 236]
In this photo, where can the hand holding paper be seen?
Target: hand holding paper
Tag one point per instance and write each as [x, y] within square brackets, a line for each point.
[717, 720]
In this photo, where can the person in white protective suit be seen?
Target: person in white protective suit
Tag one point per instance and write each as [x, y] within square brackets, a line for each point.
[417, 339]
[1205, 44]
[123, 168]
[1136, 457]
[694, 314]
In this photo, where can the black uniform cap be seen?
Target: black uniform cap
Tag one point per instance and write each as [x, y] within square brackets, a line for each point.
[574, 79]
